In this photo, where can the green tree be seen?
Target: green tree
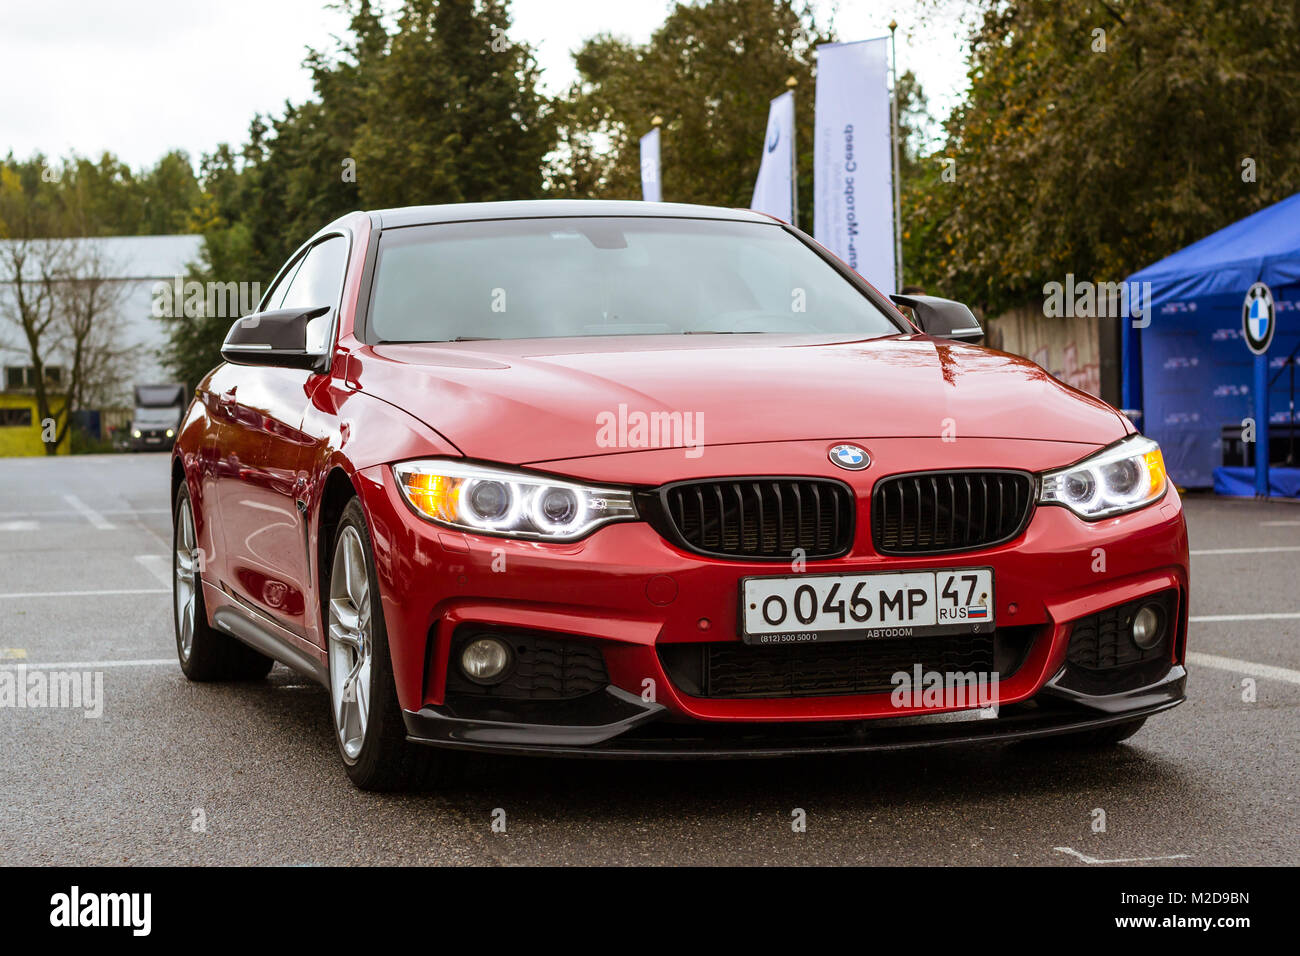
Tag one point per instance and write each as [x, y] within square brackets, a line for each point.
[78, 196]
[1099, 137]
[445, 108]
[462, 117]
[709, 72]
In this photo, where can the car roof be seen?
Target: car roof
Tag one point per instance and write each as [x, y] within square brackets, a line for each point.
[547, 208]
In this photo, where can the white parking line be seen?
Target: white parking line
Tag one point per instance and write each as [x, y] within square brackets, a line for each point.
[18, 526]
[1280, 524]
[1249, 668]
[46, 513]
[1246, 550]
[48, 594]
[1132, 859]
[89, 513]
[87, 665]
[1212, 618]
[157, 565]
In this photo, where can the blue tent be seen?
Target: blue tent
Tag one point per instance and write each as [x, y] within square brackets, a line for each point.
[1189, 372]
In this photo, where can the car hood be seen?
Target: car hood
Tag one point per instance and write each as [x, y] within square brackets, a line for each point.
[532, 400]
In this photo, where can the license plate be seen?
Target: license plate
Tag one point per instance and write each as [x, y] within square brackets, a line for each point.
[809, 608]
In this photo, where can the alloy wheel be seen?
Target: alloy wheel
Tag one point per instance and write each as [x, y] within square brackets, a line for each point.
[185, 563]
[350, 641]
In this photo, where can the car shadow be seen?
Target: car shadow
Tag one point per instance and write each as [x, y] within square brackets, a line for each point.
[937, 776]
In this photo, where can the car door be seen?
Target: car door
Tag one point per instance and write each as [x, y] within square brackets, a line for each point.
[265, 455]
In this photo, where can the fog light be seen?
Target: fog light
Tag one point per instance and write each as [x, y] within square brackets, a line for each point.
[484, 660]
[1147, 627]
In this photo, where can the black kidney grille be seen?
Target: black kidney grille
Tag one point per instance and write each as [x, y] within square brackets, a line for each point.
[766, 518]
[733, 669]
[939, 511]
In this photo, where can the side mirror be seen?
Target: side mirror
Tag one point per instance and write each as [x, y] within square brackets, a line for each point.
[943, 318]
[278, 338]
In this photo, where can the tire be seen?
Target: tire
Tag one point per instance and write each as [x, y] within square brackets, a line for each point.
[1103, 736]
[365, 713]
[210, 655]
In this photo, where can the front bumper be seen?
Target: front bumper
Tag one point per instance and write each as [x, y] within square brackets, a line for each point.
[630, 593]
[633, 728]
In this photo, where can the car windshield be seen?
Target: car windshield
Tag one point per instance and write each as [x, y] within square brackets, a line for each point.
[542, 278]
[156, 416]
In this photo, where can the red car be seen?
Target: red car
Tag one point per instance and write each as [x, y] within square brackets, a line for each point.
[646, 480]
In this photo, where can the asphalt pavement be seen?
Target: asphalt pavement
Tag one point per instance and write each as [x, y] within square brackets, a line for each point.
[174, 772]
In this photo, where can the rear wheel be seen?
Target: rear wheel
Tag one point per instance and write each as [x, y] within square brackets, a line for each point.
[204, 652]
[368, 723]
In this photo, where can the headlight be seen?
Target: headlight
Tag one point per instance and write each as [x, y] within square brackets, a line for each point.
[1121, 478]
[135, 433]
[171, 433]
[507, 502]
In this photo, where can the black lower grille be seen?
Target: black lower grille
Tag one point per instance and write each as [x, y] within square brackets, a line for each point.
[760, 518]
[944, 511]
[543, 668]
[1102, 641]
[733, 669]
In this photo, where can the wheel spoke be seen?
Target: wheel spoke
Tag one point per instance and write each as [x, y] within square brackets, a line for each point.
[344, 613]
[363, 696]
[346, 637]
[363, 615]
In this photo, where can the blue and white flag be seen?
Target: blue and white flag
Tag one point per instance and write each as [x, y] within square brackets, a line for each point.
[853, 205]
[650, 187]
[774, 188]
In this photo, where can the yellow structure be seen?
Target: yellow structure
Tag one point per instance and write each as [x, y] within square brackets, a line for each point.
[21, 431]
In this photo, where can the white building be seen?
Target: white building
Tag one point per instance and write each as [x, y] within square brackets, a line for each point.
[138, 264]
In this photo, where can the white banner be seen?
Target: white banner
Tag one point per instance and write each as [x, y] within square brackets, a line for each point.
[853, 208]
[650, 189]
[774, 188]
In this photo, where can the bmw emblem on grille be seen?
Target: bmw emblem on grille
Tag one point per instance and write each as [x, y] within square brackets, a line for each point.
[850, 456]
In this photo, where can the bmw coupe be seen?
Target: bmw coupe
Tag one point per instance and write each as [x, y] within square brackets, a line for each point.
[645, 480]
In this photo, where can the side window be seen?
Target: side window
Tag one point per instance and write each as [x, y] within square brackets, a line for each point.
[318, 281]
[276, 295]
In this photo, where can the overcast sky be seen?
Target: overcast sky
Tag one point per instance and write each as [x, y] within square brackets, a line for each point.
[140, 77]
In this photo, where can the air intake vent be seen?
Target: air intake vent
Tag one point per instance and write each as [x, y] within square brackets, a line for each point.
[1101, 641]
[936, 512]
[759, 518]
[543, 667]
[734, 670]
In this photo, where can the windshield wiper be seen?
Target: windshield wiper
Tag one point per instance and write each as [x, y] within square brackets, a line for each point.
[473, 338]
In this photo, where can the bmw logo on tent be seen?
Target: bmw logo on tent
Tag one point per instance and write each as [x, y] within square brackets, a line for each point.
[1257, 318]
[850, 456]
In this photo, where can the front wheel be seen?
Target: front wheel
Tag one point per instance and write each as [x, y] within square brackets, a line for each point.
[368, 721]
